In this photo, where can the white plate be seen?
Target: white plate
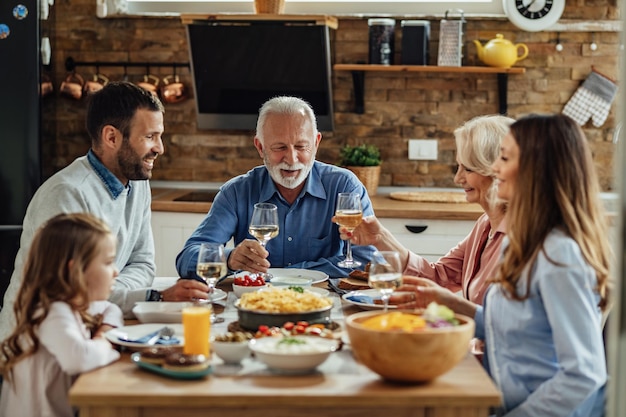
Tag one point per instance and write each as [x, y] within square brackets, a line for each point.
[316, 276]
[139, 330]
[368, 293]
[319, 291]
[164, 312]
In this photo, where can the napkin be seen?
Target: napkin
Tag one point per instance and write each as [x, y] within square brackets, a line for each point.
[142, 340]
[364, 299]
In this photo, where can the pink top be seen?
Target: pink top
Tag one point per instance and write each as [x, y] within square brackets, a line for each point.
[469, 266]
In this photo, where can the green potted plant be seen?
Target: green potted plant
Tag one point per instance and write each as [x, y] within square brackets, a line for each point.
[364, 160]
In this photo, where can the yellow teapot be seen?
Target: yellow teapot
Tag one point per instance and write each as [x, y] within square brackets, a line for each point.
[500, 52]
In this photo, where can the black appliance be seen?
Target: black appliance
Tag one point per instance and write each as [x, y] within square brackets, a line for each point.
[20, 114]
[237, 66]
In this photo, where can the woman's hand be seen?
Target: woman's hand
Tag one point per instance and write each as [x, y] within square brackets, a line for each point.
[366, 233]
[419, 292]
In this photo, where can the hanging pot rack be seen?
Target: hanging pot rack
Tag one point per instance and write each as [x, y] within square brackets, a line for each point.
[71, 64]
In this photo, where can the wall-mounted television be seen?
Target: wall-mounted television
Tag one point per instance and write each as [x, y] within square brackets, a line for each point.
[238, 65]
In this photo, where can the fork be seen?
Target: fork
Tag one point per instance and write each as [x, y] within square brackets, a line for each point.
[165, 333]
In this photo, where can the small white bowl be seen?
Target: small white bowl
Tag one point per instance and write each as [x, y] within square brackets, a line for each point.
[164, 312]
[231, 352]
[242, 289]
[293, 358]
[291, 282]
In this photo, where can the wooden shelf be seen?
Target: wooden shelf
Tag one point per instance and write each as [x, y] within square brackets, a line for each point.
[427, 68]
[330, 21]
[358, 77]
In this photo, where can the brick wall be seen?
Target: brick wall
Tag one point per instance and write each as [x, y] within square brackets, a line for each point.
[398, 107]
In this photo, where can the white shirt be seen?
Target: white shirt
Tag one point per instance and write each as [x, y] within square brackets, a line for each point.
[40, 383]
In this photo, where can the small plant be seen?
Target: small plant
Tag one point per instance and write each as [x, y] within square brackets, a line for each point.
[360, 156]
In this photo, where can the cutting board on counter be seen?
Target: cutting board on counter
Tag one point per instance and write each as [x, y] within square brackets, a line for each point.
[429, 196]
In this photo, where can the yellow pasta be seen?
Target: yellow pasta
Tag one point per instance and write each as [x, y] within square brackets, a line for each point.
[283, 300]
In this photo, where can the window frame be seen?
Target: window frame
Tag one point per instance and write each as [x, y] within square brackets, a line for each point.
[331, 7]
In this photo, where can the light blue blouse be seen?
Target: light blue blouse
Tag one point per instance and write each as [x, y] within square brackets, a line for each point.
[546, 353]
[307, 238]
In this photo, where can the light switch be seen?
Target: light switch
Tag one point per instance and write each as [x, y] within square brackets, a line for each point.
[423, 149]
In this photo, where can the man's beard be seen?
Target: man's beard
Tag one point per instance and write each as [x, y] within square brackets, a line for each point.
[291, 182]
[131, 164]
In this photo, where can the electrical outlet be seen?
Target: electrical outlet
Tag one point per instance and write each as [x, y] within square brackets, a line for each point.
[423, 149]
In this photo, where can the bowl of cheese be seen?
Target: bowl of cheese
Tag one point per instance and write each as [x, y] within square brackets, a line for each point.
[277, 306]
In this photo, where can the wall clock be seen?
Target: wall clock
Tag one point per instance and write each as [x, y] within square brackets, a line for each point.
[533, 15]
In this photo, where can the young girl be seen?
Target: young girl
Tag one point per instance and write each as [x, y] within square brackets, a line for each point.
[542, 316]
[61, 316]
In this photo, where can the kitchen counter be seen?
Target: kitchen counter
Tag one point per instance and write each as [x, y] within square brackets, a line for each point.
[164, 199]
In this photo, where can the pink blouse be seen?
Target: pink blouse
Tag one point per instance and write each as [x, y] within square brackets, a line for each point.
[469, 266]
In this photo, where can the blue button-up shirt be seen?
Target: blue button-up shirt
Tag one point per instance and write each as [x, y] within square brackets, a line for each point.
[307, 238]
[546, 353]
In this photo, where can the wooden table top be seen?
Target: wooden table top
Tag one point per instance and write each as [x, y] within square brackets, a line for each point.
[338, 383]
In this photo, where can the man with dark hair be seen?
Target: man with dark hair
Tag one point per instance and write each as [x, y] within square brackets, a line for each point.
[125, 124]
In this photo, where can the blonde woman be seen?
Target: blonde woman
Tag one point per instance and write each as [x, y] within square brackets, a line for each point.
[468, 266]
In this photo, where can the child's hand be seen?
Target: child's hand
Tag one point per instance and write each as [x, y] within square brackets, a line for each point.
[100, 331]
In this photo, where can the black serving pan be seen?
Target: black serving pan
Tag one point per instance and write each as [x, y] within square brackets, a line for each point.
[251, 320]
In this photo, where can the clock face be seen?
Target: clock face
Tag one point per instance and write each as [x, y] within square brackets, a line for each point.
[533, 15]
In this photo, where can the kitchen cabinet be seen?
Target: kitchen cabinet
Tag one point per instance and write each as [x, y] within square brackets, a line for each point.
[171, 230]
[436, 238]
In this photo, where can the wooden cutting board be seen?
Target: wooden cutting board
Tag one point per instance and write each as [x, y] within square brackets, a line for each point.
[430, 196]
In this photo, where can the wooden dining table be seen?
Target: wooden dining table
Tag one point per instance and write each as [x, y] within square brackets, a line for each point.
[339, 387]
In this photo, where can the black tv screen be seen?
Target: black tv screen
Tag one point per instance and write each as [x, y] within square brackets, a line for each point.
[237, 66]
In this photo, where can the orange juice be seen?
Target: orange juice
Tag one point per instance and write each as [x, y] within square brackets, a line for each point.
[197, 329]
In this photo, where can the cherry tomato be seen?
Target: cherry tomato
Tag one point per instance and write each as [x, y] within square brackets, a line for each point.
[300, 329]
[263, 328]
[289, 325]
[303, 323]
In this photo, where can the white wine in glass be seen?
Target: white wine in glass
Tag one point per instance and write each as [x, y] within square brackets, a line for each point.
[264, 226]
[211, 267]
[385, 274]
[348, 214]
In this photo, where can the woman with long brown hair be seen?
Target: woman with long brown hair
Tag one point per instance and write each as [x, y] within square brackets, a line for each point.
[542, 316]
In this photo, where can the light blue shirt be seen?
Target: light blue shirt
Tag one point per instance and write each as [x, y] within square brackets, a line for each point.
[546, 353]
[307, 237]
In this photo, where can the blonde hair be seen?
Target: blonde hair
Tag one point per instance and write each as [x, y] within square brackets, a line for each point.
[557, 187]
[478, 146]
[49, 277]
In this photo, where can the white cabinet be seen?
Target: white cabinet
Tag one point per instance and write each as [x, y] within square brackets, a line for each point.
[437, 238]
[171, 230]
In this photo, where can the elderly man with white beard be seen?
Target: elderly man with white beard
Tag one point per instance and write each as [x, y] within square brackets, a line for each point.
[304, 190]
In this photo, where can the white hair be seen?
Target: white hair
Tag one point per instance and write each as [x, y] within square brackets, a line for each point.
[284, 105]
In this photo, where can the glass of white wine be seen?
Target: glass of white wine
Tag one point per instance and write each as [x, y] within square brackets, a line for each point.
[264, 226]
[348, 214]
[211, 267]
[385, 274]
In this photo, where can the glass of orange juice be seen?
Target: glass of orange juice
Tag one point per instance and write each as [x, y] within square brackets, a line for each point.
[197, 329]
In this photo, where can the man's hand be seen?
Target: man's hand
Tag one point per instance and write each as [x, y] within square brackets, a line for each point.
[185, 290]
[249, 255]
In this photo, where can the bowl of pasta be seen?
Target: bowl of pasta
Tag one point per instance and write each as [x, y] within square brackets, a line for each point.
[277, 306]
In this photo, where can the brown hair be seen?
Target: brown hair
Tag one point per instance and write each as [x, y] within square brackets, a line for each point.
[49, 276]
[557, 187]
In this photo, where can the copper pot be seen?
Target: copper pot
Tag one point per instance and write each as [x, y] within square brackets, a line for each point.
[150, 82]
[45, 86]
[97, 82]
[172, 90]
[72, 86]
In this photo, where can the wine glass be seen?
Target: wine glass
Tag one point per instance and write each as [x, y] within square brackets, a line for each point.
[264, 226]
[348, 214]
[211, 267]
[385, 274]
